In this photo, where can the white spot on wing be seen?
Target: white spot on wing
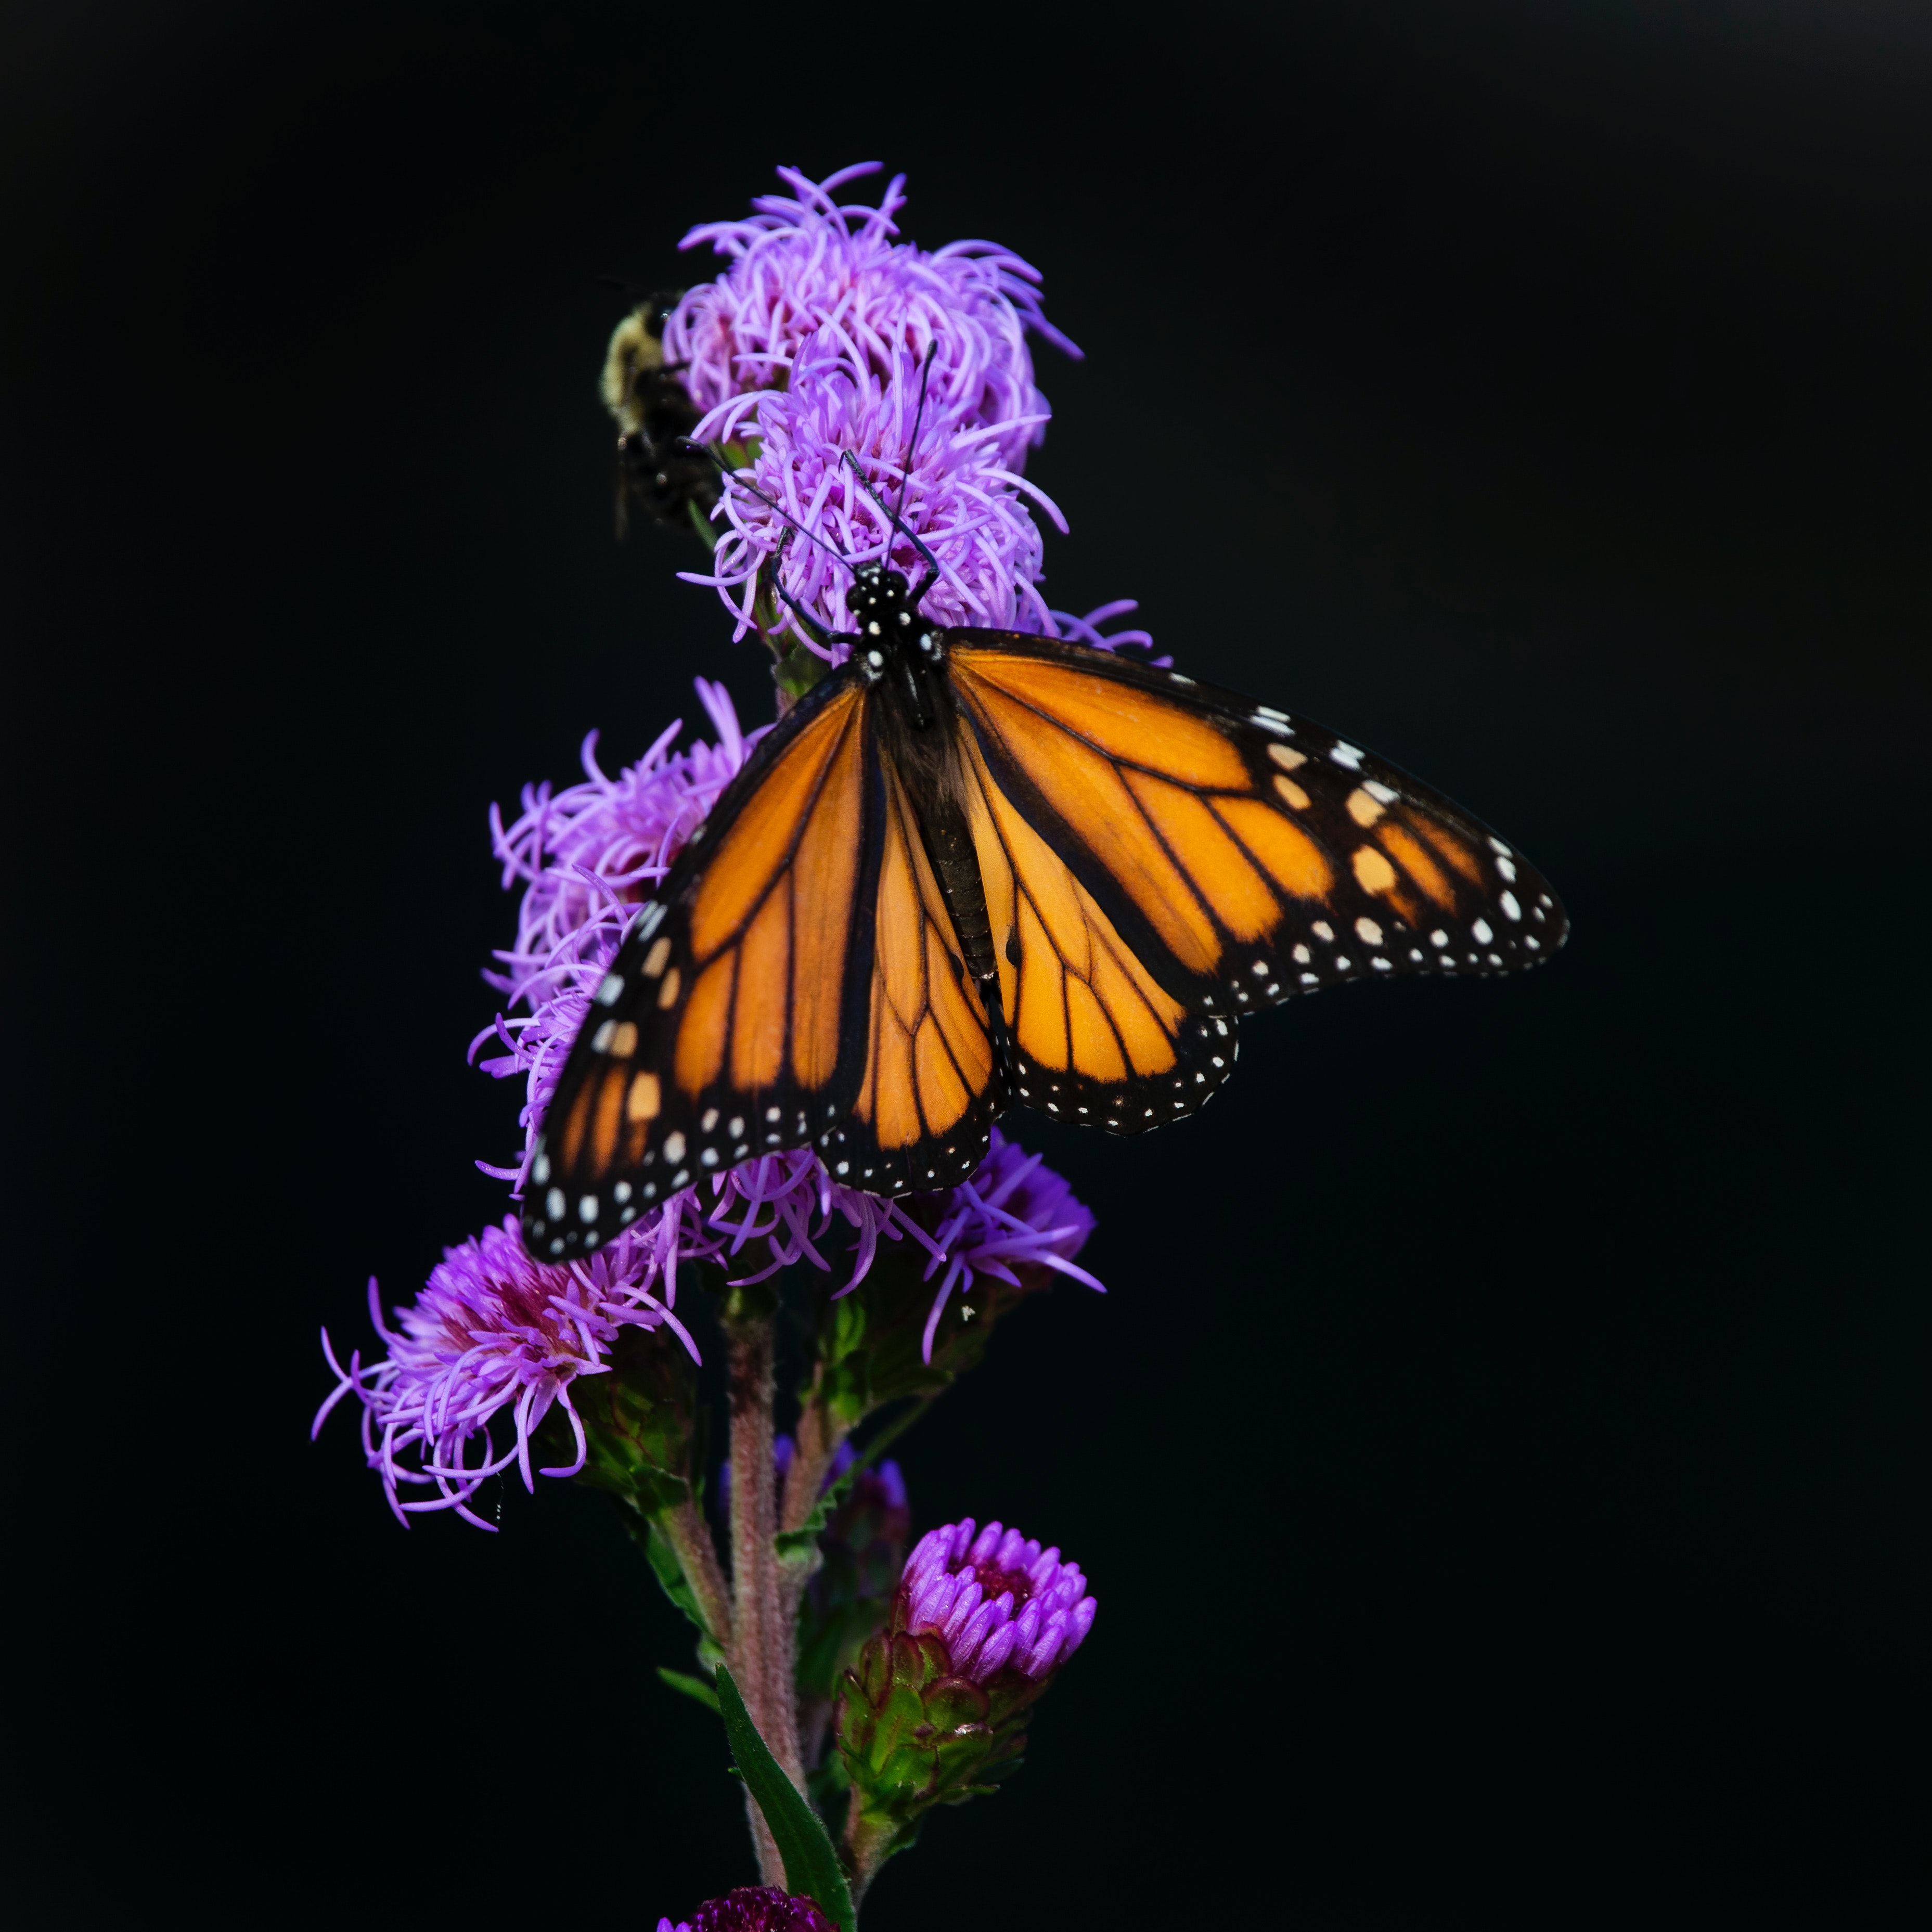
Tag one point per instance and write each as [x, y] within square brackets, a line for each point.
[1348, 756]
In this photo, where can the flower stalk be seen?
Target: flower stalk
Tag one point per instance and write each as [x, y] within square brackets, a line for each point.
[761, 1649]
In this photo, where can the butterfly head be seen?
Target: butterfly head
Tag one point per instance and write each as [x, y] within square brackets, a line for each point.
[891, 640]
[881, 602]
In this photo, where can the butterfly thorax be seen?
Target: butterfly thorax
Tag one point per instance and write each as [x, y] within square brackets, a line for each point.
[903, 655]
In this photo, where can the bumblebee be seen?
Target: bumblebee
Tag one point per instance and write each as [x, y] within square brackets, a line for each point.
[645, 395]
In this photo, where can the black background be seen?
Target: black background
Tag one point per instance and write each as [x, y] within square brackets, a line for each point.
[1502, 1457]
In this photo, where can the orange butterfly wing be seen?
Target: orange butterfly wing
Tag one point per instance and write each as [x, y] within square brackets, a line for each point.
[934, 1082]
[732, 1022]
[1159, 856]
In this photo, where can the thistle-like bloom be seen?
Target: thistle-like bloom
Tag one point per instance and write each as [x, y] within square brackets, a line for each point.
[997, 1601]
[872, 380]
[837, 460]
[1015, 1220]
[754, 1908]
[493, 1336]
[802, 263]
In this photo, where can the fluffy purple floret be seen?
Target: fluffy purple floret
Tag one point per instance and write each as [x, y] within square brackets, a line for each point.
[494, 1336]
[995, 1599]
[968, 504]
[826, 341]
[802, 263]
[1014, 1218]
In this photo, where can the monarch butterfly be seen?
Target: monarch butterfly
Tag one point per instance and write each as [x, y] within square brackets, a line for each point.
[975, 866]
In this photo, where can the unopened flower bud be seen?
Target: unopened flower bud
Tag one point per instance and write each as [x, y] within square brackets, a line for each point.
[981, 1622]
[997, 1601]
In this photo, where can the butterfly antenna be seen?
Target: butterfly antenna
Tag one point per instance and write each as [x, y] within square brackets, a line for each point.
[918, 417]
[905, 530]
[690, 446]
[812, 628]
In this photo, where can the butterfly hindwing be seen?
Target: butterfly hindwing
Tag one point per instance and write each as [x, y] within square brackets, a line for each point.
[734, 1020]
[1095, 1037]
[1162, 856]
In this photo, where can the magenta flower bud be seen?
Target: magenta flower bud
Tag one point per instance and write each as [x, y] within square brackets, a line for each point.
[983, 1620]
[754, 1908]
[968, 1591]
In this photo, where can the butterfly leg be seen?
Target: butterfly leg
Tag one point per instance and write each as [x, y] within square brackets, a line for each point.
[807, 623]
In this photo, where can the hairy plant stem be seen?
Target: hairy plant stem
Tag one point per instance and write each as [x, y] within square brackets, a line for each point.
[689, 1536]
[761, 1647]
[818, 1437]
[869, 1843]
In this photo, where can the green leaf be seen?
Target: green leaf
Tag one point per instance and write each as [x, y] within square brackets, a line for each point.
[695, 1688]
[811, 1866]
[794, 1546]
[670, 1572]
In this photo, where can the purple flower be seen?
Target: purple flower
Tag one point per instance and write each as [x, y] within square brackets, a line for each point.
[493, 1334]
[965, 503]
[997, 1601]
[754, 1908]
[825, 342]
[803, 264]
[1015, 1220]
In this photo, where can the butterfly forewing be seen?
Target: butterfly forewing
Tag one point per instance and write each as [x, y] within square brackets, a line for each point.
[934, 1083]
[732, 1022]
[1161, 856]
